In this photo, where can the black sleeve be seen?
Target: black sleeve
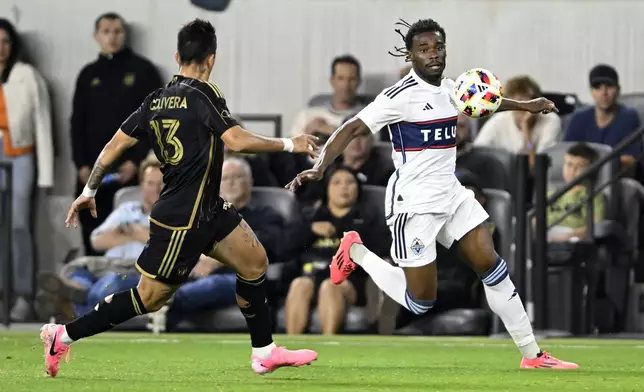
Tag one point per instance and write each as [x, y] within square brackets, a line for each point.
[216, 114]
[134, 125]
[79, 123]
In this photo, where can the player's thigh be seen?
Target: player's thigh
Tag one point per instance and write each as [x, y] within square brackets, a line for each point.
[241, 250]
[171, 254]
[414, 249]
[468, 225]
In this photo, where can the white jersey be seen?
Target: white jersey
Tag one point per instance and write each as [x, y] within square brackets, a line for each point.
[421, 121]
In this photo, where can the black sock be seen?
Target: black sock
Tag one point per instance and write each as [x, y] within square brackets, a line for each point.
[123, 306]
[251, 299]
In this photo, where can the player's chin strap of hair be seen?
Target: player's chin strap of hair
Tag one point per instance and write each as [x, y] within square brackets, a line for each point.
[87, 192]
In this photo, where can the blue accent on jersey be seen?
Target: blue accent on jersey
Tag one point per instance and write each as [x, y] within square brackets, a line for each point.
[418, 136]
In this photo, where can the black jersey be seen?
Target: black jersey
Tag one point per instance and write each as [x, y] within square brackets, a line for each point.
[184, 122]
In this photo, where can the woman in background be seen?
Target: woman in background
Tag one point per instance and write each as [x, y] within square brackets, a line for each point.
[341, 210]
[25, 133]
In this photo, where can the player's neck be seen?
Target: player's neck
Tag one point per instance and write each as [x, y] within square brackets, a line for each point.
[434, 81]
[195, 72]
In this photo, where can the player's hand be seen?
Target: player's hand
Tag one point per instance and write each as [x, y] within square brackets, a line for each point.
[306, 175]
[541, 105]
[81, 203]
[306, 144]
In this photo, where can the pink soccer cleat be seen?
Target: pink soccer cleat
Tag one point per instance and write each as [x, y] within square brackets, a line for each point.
[342, 266]
[54, 348]
[547, 361]
[280, 357]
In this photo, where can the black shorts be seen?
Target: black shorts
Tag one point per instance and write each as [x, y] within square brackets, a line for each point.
[170, 255]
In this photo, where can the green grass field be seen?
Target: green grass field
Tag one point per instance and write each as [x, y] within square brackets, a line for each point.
[171, 362]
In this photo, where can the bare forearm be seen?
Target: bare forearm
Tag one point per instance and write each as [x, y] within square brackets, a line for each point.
[109, 239]
[338, 142]
[111, 152]
[241, 140]
[511, 104]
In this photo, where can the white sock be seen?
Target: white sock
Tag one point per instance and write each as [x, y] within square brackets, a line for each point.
[263, 352]
[65, 339]
[390, 279]
[506, 303]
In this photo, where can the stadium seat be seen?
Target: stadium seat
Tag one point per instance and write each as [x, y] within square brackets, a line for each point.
[565, 102]
[325, 100]
[493, 166]
[383, 149]
[280, 199]
[635, 101]
[374, 197]
[499, 207]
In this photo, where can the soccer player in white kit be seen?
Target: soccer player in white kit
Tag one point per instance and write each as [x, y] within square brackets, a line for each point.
[425, 203]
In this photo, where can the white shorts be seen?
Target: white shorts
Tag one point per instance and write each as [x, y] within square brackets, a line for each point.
[415, 234]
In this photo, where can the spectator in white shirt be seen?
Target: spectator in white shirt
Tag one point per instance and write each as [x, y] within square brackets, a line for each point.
[520, 132]
[323, 120]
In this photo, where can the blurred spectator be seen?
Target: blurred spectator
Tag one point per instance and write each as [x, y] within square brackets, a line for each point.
[259, 167]
[463, 136]
[25, 128]
[213, 290]
[372, 168]
[576, 160]
[108, 90]
[520, 132]
[345, 79]
[84, 282]
[608, 122]
[340, 211]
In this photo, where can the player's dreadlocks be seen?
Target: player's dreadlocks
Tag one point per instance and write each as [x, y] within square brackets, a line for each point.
[422, 26]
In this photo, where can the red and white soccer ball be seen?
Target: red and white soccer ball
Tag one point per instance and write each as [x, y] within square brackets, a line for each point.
[477, 93]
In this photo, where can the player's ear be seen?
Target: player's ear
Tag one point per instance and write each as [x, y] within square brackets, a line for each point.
[176, 57]
[211, 61]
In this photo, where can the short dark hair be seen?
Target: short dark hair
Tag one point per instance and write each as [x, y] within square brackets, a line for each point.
[108, 16]
[583, 150]
[346, 59]
[421, 26]
[16, 47]
[196, 41]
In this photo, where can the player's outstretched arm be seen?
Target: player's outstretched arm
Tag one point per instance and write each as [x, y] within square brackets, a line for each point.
[336, 144]
[537, 105]
[111, 152]
[240, 140]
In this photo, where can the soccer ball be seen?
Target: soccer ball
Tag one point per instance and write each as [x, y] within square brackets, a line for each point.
[477, 93]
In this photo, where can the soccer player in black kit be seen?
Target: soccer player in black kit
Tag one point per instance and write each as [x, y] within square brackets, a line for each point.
[188, 123]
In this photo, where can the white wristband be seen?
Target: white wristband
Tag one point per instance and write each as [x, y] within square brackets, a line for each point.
[288, 144]
[88, 192]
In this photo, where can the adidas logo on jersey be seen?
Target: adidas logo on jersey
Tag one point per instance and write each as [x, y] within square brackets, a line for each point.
[428, 107]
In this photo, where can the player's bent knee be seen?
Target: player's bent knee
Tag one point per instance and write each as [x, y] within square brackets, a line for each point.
[255, 267]
[153, 294]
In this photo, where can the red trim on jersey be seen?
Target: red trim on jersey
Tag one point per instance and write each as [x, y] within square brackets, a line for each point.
[434, 121]
[425, 148]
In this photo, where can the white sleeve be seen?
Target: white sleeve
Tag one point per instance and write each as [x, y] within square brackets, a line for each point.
[487, 135]
[114, 219]
[383, 111]
[550, 131]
